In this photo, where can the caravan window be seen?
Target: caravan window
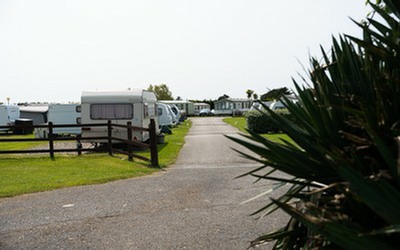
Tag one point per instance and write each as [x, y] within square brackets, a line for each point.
[152, 109]
[160, 111]
[111, 111]
[146, 110]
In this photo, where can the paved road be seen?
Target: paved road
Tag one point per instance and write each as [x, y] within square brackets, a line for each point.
[195, 204]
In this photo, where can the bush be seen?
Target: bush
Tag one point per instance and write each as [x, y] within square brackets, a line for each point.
[260, 121]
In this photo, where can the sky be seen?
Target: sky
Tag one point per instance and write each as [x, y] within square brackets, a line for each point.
[52, 50]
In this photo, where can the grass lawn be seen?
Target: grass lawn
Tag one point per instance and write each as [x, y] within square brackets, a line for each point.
[22, 174]
[240, 123]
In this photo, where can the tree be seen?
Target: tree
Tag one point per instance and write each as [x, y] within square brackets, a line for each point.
[255, 96]
[225, 96]
[249, 93]
[161, 91]
[275, 94]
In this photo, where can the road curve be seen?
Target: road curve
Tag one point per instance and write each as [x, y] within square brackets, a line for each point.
[195, 204]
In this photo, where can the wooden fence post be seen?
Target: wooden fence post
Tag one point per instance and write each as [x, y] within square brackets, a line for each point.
[79, 144]
[109, 135]
[51, 141]
[130, 146]
[153, 143]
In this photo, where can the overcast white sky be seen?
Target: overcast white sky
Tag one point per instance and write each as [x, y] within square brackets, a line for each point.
[52, 50]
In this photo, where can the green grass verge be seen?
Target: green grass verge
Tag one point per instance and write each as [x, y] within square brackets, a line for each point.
[237, 122]
[34, 174]
[240, 123]
[22, 174]
[168, 151]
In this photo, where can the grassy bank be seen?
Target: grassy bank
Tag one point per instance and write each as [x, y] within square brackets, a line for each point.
[240, 123]
[27, 174]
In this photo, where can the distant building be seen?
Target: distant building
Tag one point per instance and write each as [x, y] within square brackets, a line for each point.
[198, 106]
[232, 106]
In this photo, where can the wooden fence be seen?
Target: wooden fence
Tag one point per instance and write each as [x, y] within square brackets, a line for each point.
[51, 138]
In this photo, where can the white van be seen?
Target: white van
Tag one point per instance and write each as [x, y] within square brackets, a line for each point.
[8, 115]
[60, 114]
[136, 106]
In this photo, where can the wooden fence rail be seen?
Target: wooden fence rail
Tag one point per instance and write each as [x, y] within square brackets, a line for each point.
[51, 138]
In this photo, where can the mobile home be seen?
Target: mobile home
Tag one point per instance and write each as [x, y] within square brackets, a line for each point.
[8, 115]
[186, 107]
[136, 106]
[232, 106]
[198, 106]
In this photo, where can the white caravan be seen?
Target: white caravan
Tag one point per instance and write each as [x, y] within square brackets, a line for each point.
[164, 115]
[8, 115]
[60, 114]
[174, 117]
[136, 106]
[176, 112]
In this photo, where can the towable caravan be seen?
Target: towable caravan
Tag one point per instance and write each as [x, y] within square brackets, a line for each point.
[164, 115]
[8, 115]
[65, 114]
[177, 113]
[60, 114]
[136, 106]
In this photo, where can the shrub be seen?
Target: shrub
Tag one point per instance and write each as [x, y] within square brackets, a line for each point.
[345, 169]
[259, 121]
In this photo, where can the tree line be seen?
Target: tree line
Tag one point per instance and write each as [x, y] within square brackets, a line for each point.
[163, 92]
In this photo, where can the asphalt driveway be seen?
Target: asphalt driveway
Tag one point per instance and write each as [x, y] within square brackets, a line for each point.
[195, 204]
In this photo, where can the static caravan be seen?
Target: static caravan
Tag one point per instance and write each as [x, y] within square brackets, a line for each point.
[232, 106]
[136, 106]
[62, 114]
[8, 115]
[186, 107]
[198, 106]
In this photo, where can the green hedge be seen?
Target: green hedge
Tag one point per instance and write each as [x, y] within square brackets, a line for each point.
[260, 122]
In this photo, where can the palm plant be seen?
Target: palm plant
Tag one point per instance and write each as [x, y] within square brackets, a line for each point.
[345, 163]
